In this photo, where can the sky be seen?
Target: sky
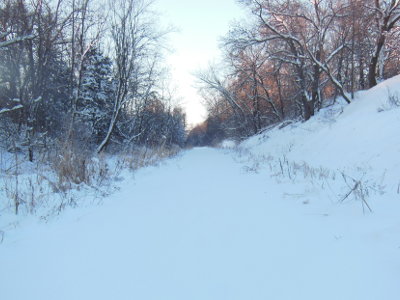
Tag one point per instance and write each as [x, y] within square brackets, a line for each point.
[199, 24]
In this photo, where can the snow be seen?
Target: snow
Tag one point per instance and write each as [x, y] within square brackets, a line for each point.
[228, 144]
[230, 224]
[362, 136]
[5, 110]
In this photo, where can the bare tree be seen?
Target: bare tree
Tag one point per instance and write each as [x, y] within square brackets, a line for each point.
[27, 62]
[387, 15]
[8, 35]
[136, 44]
[252, 75]
[212, 83]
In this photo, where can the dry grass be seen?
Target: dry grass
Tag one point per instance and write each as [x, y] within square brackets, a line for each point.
[357, 187]
[141, 157]
[54, 181]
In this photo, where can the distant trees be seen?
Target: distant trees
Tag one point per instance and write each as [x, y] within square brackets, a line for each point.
[57, 84]
[209, 133]
[296, 54]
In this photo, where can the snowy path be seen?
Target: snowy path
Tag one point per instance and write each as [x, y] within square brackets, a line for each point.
[200, 227]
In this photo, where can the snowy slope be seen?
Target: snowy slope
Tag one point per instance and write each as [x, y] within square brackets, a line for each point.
[363, 137]
[226, 224]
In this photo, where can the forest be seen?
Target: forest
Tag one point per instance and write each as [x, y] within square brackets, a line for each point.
[73, 73]
[292, 58]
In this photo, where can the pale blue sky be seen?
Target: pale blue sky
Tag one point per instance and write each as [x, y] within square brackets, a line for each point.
[200, 23]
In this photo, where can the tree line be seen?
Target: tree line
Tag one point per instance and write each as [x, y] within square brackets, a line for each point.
[84, 72]
[292, 58]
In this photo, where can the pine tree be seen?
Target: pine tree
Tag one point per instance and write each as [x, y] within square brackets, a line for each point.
[95, 103]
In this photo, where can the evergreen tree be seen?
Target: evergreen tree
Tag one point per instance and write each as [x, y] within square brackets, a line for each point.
[95, 102]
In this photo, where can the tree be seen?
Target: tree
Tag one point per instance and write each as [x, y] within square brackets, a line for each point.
[303, 31]
[136, 44]
[295, 56]
[94, 105]
[387, 15]
[9, 35]
[27, 62]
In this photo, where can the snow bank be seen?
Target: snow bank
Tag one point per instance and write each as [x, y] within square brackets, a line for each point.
[360, 138]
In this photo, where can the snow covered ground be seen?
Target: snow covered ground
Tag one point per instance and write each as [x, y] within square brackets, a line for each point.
[263, 221]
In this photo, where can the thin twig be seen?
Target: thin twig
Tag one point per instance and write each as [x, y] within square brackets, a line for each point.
[351, 191]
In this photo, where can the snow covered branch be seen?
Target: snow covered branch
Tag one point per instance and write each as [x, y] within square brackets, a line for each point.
[6, 110]
[15, 40]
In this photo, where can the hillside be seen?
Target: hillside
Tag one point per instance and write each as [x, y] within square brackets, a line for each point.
[360, 138]
[303, 211]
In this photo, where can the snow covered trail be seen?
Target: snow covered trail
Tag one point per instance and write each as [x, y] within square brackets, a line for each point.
[200, 227]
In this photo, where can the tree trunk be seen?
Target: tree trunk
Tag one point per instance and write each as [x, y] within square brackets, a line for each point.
[316, 84]
[374, 62]
[107, 138]
[308, 108]
[361, 75]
